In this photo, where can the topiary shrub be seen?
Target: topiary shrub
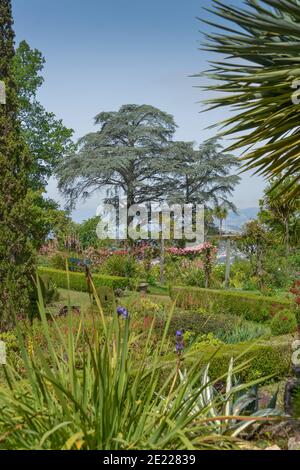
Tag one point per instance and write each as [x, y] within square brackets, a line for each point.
[266, 358]
[249, 306]
[283, 323]
[78, 280]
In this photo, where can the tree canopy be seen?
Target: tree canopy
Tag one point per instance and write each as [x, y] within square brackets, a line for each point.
[46, 136]
[200, 176]
[125, 153]
[281, 214]
[134, 152]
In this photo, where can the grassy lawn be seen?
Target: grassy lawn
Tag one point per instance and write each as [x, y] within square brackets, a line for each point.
[78, 299]
[82, 300]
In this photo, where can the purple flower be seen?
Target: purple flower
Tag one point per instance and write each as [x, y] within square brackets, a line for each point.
[122, 312]
[179, 347]
[179, 341]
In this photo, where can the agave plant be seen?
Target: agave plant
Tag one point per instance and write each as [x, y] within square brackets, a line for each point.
[259, 79]
[231, 412]
[105, 397]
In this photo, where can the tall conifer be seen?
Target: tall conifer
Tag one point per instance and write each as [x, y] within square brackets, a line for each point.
[16, 253]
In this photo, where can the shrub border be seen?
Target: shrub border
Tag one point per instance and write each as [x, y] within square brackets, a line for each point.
[250, 306]
[78, 280]
[266, 358]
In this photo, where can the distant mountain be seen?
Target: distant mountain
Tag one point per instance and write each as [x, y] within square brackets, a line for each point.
[235, 222]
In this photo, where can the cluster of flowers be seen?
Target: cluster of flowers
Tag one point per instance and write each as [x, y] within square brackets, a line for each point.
[98, 256]
[194, 250]
[49, 248]
[122, 312]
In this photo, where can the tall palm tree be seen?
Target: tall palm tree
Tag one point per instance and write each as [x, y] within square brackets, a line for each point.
[221, 213]
[259, 78]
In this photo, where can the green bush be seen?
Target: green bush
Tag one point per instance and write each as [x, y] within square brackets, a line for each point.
[78, 280]
[58, 261]
[193, 277]
[266, 358]
[120, 265]
[283, 323]
[218, 275]
[250, 306]
[241, 272]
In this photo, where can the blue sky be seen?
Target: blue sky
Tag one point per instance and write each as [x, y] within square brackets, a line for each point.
[102, 54]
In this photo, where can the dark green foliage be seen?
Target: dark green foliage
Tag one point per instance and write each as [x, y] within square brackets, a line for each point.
[78, 280]
[250, 306]
[87, 233]
[284, 322]
[296, 402]
[46, 136]
[124, 154]
[16, 218]
[200, 176]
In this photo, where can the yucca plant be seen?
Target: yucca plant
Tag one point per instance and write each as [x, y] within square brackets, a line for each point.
[103, 397]
[259, 73]
[233, 411]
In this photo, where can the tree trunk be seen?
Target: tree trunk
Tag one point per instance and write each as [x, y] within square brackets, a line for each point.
[162, 261]
[287, 236]
[228, 254]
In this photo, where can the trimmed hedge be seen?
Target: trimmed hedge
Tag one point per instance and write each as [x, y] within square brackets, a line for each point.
[250, 306]
[78, 280]
[267, 358]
